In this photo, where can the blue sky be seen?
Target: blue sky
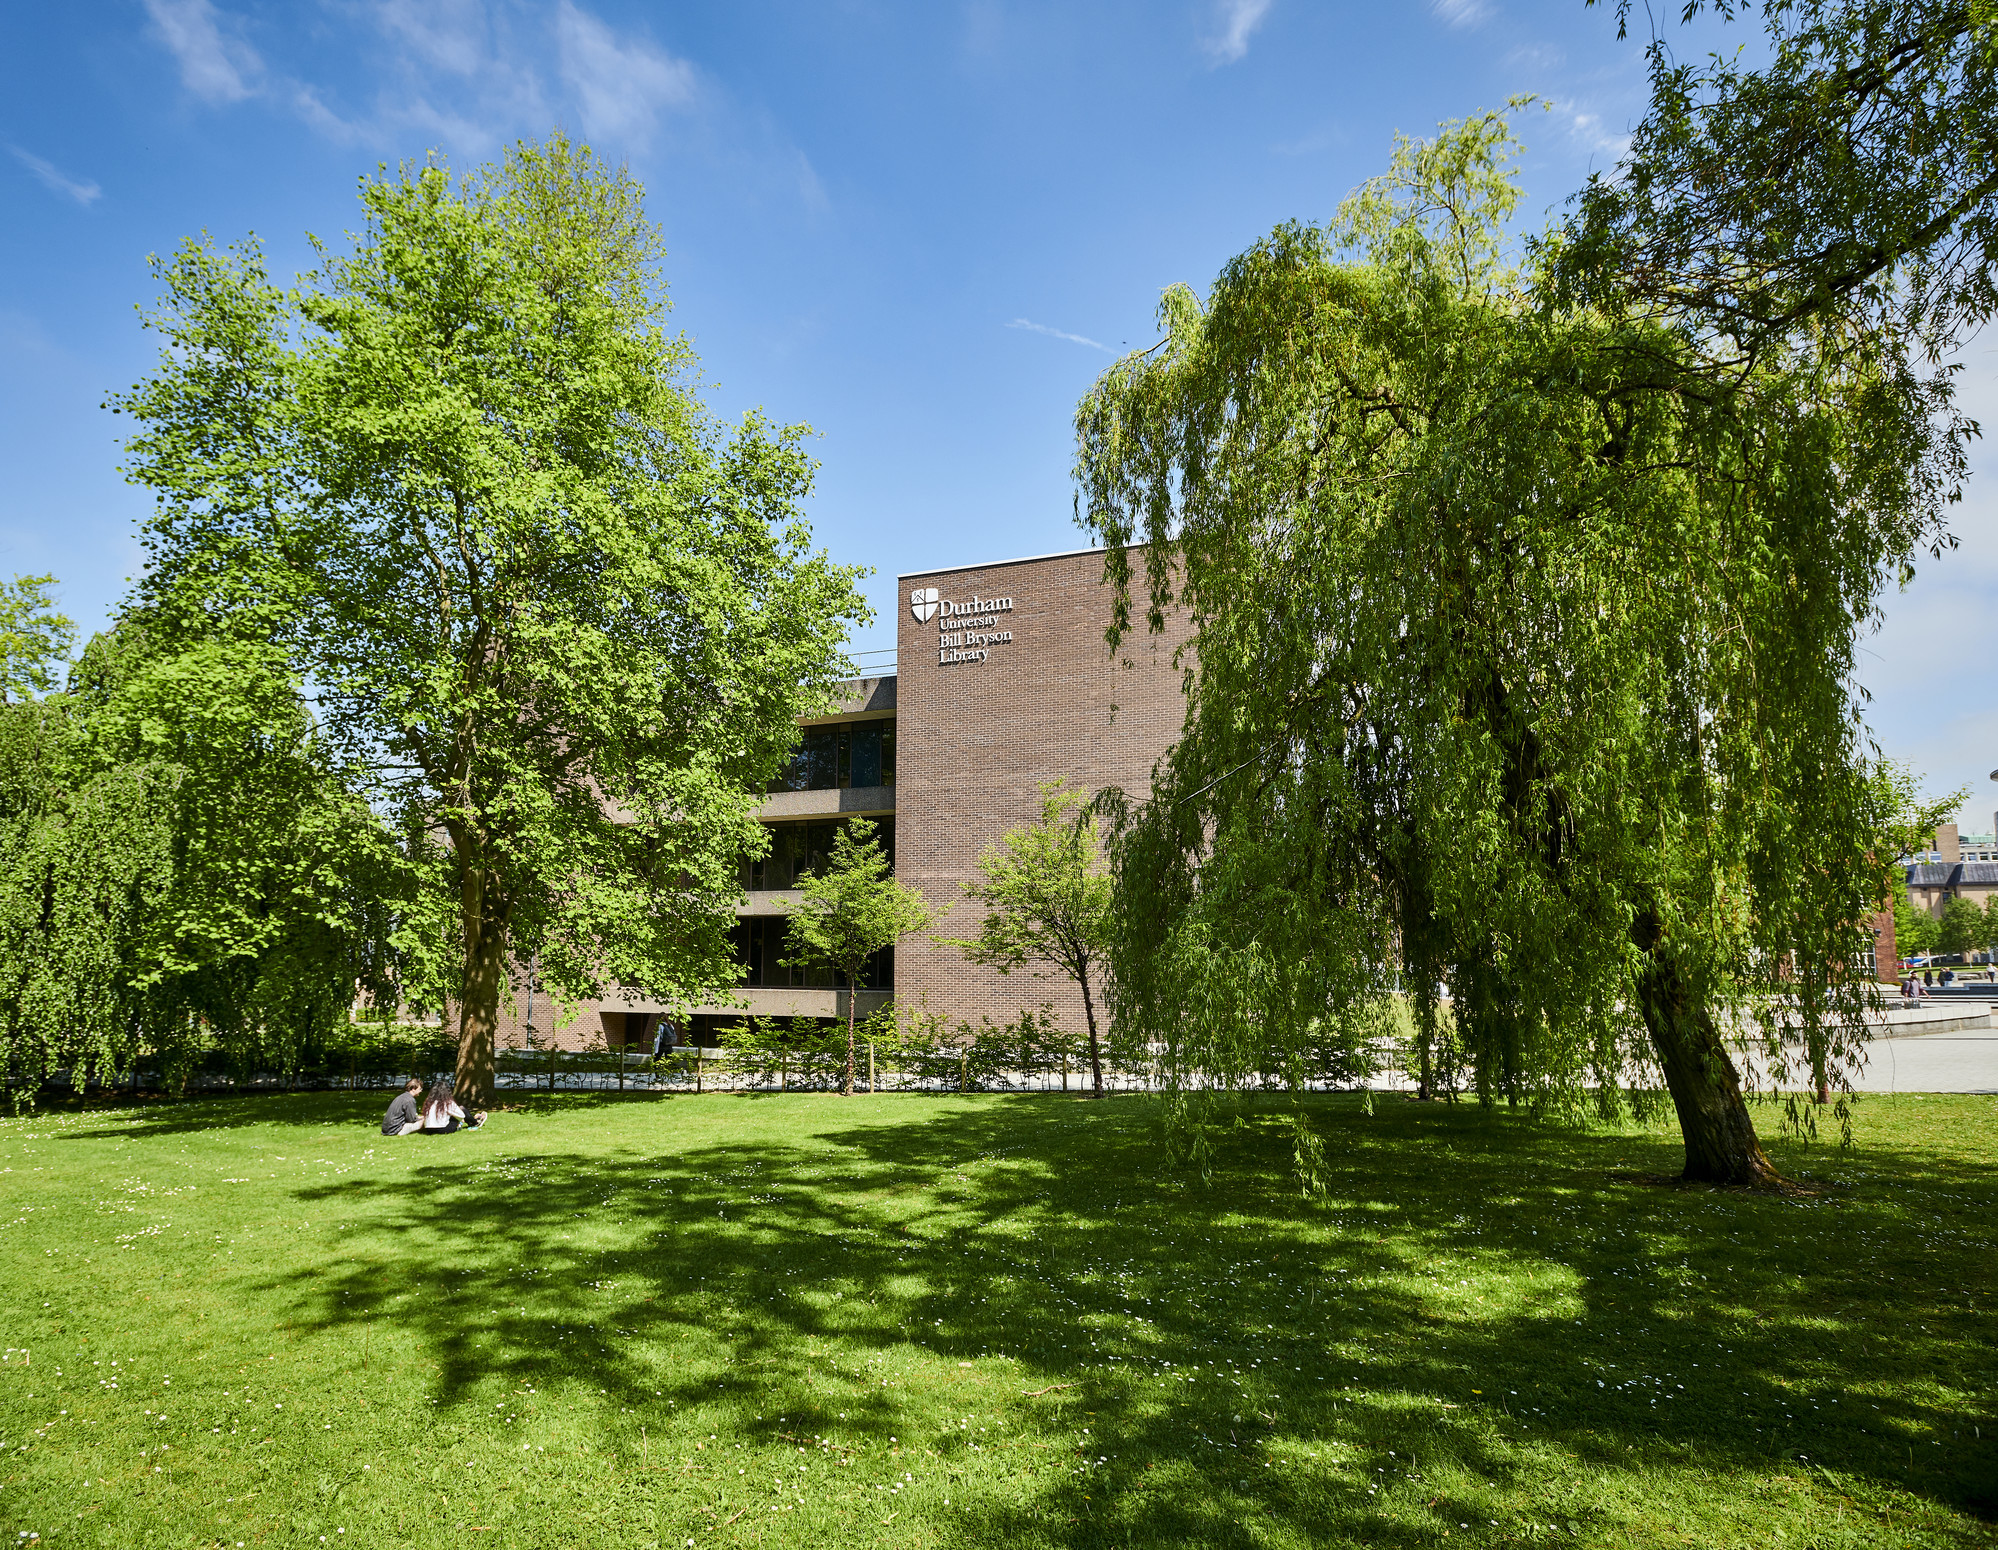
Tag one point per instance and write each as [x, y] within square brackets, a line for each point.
[921, 228]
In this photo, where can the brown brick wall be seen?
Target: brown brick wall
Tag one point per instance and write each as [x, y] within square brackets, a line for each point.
[975, 740]
[1886, 962]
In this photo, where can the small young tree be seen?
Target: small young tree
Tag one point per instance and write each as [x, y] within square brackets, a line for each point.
[1047, 902]
[851, 911]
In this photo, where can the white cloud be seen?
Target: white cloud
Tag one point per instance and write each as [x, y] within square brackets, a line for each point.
[1588, 130]
[1237, 19]
[214, 65]
[449, 34]
[467, 76]
[810, 189]
[1461, 13]
[1535, 56]
[621, 82]
[1056, 333]
[82, 193]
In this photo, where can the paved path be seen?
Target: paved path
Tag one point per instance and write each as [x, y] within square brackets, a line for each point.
[1932, 1063]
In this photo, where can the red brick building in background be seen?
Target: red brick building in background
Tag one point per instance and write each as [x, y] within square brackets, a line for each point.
[1005, 681]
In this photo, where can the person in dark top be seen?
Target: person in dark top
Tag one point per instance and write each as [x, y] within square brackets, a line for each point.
[402, 1118]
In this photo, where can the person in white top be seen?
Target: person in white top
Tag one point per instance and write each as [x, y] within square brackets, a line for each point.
[442, 1113]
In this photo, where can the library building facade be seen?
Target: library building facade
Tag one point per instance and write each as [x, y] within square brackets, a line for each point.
[1004, 681]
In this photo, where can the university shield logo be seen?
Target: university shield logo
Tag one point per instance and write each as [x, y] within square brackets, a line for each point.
[923, 604]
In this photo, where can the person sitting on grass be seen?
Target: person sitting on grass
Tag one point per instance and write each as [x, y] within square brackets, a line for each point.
[442, 1115]
[402, 1118]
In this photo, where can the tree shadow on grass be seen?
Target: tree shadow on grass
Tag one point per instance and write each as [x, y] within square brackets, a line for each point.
[154, 1115]
[1632, 1330]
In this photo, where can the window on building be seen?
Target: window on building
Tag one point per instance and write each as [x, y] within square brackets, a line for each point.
[798, 848]
[860, 753]
[760, 947]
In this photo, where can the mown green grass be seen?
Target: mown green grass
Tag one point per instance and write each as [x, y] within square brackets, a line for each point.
[729, 1320]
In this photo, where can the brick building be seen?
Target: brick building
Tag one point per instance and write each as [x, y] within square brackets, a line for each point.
[1005, 681]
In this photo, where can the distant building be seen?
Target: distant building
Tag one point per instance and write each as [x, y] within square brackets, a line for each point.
[1960, 866]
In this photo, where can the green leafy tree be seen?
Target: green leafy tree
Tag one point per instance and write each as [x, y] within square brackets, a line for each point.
[35, 640]
[558, 620]
[850, 911]
[1961, 927]
[1523, 648]
[1915, 930]
[180, 869]
[1047, 903]
[1844, 181]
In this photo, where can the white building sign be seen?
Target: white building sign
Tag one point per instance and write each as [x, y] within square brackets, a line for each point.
[966, 631]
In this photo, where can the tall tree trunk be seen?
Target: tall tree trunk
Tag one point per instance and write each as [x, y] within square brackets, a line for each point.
[1721, 1147]
[1095, 1046]
[852, 1004]
[484, 930]
[1425, 1038]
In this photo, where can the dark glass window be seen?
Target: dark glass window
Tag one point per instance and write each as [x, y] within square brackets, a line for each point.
[834, 758]
[797, 848]
[760, 947]
[866, 755]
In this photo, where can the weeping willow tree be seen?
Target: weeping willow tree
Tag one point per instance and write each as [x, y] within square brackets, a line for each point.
[1522, 639]
[180, 870]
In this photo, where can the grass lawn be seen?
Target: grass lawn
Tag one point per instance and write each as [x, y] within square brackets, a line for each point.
[911, 1321]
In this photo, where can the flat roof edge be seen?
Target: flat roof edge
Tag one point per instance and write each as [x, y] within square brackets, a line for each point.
[1027, 559]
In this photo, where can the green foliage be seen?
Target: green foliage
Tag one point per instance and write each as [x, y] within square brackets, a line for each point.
[558, 622]
[1045, 893]
[849, 912]
[1911, 818]
[1046, 901]
[1523, 657]
[852, 908]
[1915, 930]
[1963, 927]
[35, 640]
[181, 872]
[1843, 184]
[796, 1053]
